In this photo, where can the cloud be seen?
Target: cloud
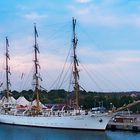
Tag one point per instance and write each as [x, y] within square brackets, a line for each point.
[83, 1]
[105, 13]
[94, 15]
[34, 16]
[112, 69]
[120, 57]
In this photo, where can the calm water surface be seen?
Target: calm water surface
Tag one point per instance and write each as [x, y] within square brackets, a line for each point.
[10, 132]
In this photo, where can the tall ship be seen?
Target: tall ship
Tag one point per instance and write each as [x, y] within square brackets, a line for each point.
[35, 114]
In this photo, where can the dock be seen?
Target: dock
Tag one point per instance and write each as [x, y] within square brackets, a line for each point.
[125, 122]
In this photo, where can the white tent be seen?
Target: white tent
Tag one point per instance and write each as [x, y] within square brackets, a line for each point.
[34, 103]
[10, 100]
[22, 101]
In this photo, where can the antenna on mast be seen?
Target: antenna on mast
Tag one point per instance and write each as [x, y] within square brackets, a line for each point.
[75, 64]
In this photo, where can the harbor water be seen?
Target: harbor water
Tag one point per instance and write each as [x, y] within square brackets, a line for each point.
[11, 132]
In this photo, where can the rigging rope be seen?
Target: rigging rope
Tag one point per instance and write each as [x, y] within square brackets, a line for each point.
[125, 79]
[63, 69]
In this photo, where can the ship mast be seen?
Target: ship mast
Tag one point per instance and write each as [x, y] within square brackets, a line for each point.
[75, 65]
[7, 57]
[36, 65]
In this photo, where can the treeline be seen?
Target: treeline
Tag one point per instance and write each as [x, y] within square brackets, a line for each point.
[87, 100]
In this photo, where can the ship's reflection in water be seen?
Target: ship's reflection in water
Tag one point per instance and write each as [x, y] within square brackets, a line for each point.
[11, 132]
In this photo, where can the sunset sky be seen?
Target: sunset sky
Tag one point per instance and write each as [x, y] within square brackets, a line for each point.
[108, 48]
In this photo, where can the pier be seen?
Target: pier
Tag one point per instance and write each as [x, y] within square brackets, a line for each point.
[125, 122]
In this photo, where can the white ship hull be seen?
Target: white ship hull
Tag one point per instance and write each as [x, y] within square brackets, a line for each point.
[95, 122]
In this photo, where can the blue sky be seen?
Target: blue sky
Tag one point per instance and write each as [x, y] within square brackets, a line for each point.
[108, 46]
